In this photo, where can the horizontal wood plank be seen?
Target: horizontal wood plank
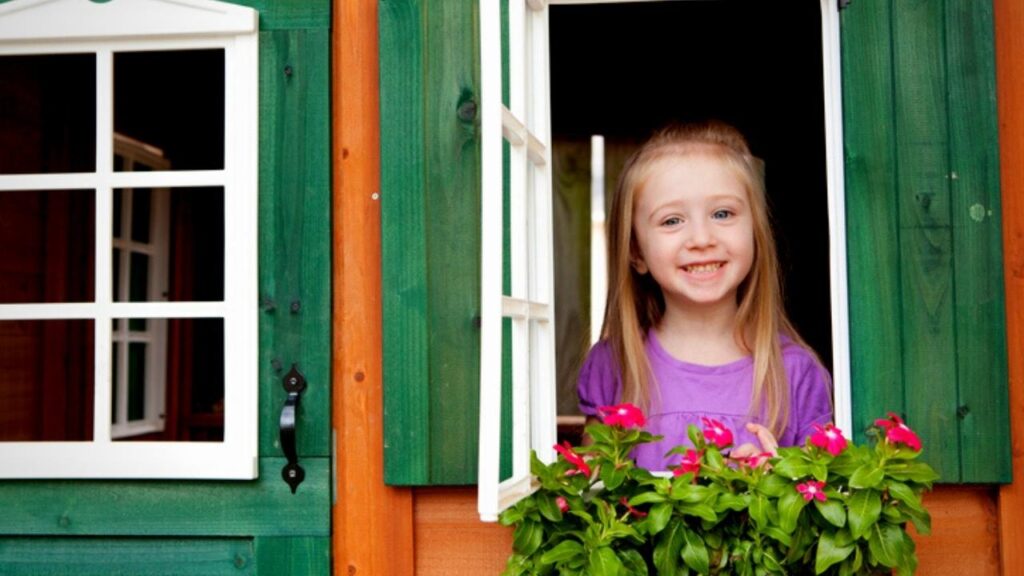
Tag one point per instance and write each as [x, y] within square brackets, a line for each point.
[302, 556]
[450, 538]
[291, 14]
[171, 508]
[965, 534]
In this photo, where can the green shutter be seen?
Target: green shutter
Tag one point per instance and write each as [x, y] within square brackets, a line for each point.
[430, 203]
[213, 527]
[923, 215]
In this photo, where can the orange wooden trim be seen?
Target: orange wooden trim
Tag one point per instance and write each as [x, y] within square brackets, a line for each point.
[450, 538]
[373, 524]
[1009, 33]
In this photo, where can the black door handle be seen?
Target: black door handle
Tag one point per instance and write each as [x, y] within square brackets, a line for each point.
[294, 384]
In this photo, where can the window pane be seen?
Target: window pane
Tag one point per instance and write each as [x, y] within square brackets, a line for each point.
[180, 367]
[47, 113]
[197, 244]
[173, 102]
[46, 246]
[46, 380]
[141, 214]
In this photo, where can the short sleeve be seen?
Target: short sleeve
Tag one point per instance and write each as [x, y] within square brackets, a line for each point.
[598, 383]
[811, 395]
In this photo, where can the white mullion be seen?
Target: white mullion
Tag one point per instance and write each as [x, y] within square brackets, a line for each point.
[491, 262]
[89, 180]
[170, 179]
[104, 224]
[63, 181]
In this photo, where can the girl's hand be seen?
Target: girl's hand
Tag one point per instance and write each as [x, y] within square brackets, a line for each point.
[769, 445]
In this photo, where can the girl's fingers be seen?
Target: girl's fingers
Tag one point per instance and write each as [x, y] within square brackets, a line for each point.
[764, 436]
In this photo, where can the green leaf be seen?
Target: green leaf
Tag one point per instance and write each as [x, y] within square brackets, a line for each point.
[565, 550]
[833, 511]
[793, 468]
[864, 507]
[516, 566]
[886, 544]
[548, 507]
[658, 517]
[612, 477]
[737, 502]
[790, 505]
[778, 535]
[774, 485]
[867, 476]
[922, 521]
[668, 547]
[759, 510]
[604, 561]
[906, 495]
[599, 433]
[647, 498]
[829, 552]
[702, 511]
[633, 562]
[820, 471]
[912, 471]
[527, 538]
[695, 554]
[696, 436]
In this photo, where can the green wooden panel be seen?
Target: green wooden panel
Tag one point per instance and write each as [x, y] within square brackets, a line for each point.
[295, 233]
[291, 14]
[403, 246]
[293, 556]
[127, 556]
[926, 290]
[873, 235]
[977, 244]
[172, 508]
[430, 219]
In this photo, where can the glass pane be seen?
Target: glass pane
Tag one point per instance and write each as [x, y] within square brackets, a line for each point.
[114, 372]
[171, 105]
[197, 245]
[47, 113]
[136, 380]
[141, 214]
[47, 246]
[46, 380]
[191, 386]
[138, 285]
[116, 217]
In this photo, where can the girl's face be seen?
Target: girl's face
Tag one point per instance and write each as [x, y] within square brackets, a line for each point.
[694, 231]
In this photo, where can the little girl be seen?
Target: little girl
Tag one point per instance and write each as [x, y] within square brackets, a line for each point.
[695, 328]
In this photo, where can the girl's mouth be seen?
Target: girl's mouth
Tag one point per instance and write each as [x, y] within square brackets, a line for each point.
[702, 268]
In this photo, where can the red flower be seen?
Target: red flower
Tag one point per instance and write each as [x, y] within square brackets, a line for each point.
[633, 511]
[625, 415]
[899, 433]
[573, 458]
[690, 463]
[812, 490]
[716, 432]
[829, 437]
[562, 503]
[755, 460]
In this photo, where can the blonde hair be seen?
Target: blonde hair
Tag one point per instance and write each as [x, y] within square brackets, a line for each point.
[636, 304]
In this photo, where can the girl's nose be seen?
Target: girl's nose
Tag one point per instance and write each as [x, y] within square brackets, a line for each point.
[700, 235]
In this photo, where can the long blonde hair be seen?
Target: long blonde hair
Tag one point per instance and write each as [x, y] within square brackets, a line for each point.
[635, 301]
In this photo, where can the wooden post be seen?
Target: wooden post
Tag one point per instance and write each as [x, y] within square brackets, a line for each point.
[1009, 34]
[373, 524]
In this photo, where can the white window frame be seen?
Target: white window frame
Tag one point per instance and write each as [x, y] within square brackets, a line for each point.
[78, 26]
[492, 496]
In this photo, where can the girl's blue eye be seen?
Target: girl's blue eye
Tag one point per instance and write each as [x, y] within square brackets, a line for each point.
[673, 221]
[721, 214]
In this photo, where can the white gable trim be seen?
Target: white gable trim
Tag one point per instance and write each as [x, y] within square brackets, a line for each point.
[62, 20]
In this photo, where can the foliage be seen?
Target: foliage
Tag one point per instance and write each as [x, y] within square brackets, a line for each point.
[828, 507]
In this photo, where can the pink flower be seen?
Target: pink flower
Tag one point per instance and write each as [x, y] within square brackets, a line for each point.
[573, 458]
[625, 415]
[829, 437]
[898, 433]
[690, 463]
[812, 490]
[755, 460]
[562, 503]
[633, 511]
[716, 433]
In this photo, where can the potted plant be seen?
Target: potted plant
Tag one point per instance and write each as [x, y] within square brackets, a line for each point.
[828, 507]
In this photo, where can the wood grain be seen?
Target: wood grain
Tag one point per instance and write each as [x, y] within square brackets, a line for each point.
[965, 537]
[450, 538]
[373, 529]
[1009, 33]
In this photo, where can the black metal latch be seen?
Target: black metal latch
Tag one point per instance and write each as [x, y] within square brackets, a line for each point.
[294, 384]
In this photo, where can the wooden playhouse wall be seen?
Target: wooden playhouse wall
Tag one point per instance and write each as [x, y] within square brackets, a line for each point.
[426, 531]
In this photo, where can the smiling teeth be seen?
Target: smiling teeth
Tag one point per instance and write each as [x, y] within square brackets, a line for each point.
[703, 268]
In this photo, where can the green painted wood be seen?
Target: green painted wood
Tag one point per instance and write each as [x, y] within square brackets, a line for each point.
[430, 218]
[403, 247]
[873, 235]
[291, 14]
[135, 556]
[171, 508]
[293, 556]
[977, 244]
[922, 149]
[295, 233]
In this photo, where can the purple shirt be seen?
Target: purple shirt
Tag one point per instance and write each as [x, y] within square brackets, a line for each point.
[686, 392]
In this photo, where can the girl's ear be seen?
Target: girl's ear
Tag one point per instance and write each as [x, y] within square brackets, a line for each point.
[638, 264]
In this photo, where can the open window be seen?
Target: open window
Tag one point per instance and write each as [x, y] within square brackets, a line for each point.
[128, 210]
[670, 61]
